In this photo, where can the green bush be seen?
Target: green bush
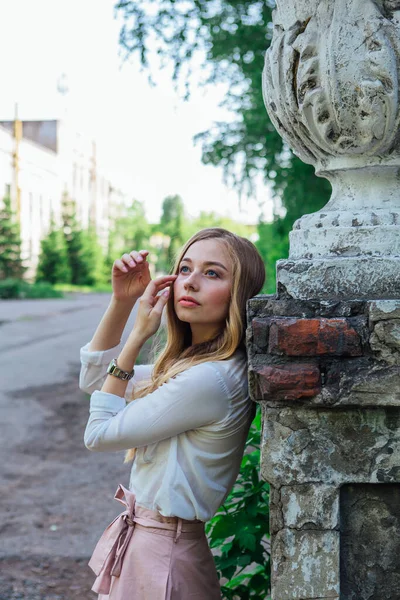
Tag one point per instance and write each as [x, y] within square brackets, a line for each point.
[10, 288]
[101, 288]
[42, 290]
[18, 289]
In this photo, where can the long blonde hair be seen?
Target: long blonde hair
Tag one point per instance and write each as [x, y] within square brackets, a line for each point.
[179, 354]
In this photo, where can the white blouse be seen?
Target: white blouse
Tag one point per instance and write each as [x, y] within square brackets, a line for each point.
[190, 433]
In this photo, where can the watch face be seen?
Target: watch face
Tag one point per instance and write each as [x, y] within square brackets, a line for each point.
[117, 372]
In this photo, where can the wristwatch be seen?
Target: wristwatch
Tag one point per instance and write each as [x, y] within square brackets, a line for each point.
[113, 369]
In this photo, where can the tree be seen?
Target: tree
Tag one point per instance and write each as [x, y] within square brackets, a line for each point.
[74, 238]
[230, 39]
[84, 253]
[11, 265]
[92, 272]
[211, 219]
[130, 231]
[172, 225]
[53, 265]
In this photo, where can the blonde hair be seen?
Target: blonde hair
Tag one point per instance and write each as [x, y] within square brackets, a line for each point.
[179, 354]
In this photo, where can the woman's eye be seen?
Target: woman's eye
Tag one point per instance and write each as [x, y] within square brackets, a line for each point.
[213, 273]
[181, 270]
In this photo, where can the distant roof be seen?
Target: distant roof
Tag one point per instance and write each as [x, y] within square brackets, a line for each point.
[43, 132]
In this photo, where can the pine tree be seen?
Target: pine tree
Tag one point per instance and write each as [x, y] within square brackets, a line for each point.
[53, 261]
[92, 267]
[128, 231]
[11, 264]
[171, 224]
[74, 238]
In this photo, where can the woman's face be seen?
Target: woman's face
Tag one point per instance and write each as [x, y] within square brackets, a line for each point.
[202, 290]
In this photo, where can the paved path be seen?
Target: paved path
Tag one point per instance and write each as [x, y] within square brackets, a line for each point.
[56, 497]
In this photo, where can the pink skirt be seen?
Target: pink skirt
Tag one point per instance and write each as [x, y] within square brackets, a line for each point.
[145, 556]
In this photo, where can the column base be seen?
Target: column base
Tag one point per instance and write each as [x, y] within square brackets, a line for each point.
[339, 278]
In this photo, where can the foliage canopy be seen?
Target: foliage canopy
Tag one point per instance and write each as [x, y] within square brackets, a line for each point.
[224, 41]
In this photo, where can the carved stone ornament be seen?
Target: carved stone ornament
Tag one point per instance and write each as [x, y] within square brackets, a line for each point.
[331, 88]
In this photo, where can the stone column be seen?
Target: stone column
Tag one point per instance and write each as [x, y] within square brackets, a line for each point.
[324, 352]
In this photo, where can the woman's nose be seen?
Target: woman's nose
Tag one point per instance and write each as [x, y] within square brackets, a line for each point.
[191, 281]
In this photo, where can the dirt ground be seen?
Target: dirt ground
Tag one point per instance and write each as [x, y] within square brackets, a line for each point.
[44, 578]
[47, 517]
[56, 497]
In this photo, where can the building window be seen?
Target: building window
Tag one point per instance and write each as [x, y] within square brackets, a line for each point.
[7, 190]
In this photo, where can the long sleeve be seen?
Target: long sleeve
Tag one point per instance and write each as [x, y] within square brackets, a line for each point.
[94, 365]
[194, 398]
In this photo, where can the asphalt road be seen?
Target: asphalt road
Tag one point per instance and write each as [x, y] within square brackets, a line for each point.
[56, 497]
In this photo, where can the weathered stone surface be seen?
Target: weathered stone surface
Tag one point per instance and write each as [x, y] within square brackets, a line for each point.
[370, 542]
[380, 310]
[339, 278]
[305, 564]
[275, 510]
[288, 382]
[331, 87]
[371, 387]
[270, 305]
[385, 341]
[259, 333]
[313, 337]
[310, 506]
[361, 383]
[324, 105]
[330, 446]
[372, 379]
[341, 116]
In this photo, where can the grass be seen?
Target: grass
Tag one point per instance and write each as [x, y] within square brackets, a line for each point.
[83, 289]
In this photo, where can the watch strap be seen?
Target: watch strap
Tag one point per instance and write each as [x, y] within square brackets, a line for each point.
[113, 369]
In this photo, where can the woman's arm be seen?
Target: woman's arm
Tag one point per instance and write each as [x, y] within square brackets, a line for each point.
[147, 322]
[109, 331]
[194, 398]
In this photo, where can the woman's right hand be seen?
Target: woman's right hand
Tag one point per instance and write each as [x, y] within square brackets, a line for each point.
[130, 276]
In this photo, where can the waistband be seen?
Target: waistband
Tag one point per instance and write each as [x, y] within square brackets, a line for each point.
[106, 560]
[142, 513]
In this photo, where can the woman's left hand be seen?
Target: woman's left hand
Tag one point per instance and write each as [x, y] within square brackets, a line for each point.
[151, 306]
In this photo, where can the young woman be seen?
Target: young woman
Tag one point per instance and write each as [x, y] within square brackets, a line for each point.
[184, 419]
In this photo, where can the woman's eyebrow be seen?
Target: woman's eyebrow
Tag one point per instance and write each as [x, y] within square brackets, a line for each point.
[207, 263]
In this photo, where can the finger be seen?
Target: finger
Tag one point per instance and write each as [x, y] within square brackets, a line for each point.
[151, 299]
[137, 257]
[161, 302]
[132, 261]
[118, 264]
[162, 287]
[155, 285]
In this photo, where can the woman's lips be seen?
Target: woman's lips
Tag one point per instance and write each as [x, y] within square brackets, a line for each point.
[188, 303]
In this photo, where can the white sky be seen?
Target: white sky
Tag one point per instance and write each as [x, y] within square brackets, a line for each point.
[144, 134]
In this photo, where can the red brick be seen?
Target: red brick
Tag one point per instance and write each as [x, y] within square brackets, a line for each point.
[288, 382]
[313, 337]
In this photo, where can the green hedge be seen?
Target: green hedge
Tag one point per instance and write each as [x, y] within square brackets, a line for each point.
[17, 288]
[240, 529]
[84, 289]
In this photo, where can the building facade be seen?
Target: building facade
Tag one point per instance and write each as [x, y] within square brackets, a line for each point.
[42, 162]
